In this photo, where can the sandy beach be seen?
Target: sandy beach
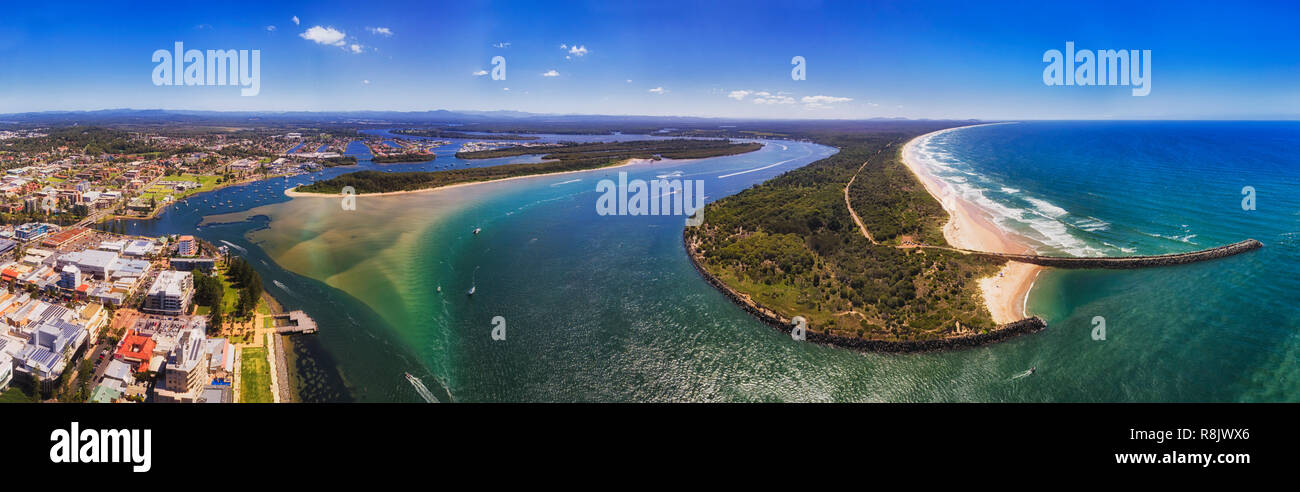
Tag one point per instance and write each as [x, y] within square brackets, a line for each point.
[291, 193]
[970, 227]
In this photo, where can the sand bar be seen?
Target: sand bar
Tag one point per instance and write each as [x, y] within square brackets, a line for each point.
[296, 194]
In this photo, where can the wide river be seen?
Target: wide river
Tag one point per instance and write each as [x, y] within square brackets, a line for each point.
[595, 308]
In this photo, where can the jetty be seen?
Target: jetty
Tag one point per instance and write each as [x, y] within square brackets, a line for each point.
[1121, 262]
[294, 322]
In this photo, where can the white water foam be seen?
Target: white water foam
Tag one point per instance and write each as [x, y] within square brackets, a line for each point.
[233, 245]
[1044, 221]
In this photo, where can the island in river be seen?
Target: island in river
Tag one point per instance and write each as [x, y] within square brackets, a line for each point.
[557, 159]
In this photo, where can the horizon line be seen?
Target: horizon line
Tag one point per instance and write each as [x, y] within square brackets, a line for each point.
[733, 118]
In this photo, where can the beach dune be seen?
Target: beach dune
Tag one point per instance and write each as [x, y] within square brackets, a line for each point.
[970, 227]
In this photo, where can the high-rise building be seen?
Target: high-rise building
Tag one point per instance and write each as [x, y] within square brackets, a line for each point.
[170, 293]
[187, 246]
[187, 367]
[70, 277]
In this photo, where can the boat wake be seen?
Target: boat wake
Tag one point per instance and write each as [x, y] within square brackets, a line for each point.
[747, 171]
[421, 389]
[233, 245]
[282, 286]
[1021, 375]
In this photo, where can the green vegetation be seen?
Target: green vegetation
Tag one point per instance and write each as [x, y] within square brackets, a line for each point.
[241, 275]
[255, 376]
[210, 292]
[791, 245]
[639, 149]
[343, 160]
[237, 291]
[91, 140]
[76, 388]
[15, 395]
[407, 157]
[560, 159]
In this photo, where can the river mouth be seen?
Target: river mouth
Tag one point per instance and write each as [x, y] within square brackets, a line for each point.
[568, 282]
[609, 308]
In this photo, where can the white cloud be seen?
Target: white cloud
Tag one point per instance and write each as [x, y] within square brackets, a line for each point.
[382, 31]
[576, 50]
[564, 46]
[296, 21]
[551, 73]
[629, 81]
[324, 35]
[356, 48]
[824, 99]
[769, 98]
[505, 88]
[501, 45]
[366, 81]
[658, 90]
[270, 28]
[739, 95]
[480, 73]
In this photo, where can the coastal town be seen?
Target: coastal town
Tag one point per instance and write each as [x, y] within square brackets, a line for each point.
[89, 313]
[92, 313]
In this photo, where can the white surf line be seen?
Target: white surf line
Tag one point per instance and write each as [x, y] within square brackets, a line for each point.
[759, 168]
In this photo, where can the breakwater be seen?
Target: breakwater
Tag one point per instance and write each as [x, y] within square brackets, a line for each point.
[774, 319]
[1127, 262]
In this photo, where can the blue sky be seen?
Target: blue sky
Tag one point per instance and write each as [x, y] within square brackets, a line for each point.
[913, 59]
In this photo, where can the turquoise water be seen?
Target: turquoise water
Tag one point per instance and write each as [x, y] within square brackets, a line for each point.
[1227, 330]
[601, 308]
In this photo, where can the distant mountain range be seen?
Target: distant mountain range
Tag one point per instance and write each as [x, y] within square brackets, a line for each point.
[469, 119]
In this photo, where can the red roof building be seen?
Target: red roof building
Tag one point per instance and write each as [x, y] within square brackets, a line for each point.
[136, 350]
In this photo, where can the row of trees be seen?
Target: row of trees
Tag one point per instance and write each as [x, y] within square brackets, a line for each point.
[247, 281]
[208, 291]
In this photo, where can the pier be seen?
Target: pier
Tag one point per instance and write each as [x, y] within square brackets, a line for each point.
[1122, 262]
[294, 322]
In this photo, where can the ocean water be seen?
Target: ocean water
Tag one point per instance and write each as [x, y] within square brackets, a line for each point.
[601, 308]
[1227, 330]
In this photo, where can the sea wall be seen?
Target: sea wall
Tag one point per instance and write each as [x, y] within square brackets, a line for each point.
[1128, 262]
[776, 320]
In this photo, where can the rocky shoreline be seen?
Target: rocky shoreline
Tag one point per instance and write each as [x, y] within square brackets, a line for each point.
[771, 318]
[1129, 262]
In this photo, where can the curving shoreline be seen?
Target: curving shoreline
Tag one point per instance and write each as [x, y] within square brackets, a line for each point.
[774, 319]
[969, 227]
[293, 193]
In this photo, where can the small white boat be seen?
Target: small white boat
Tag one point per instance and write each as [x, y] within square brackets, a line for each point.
[478, 230]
